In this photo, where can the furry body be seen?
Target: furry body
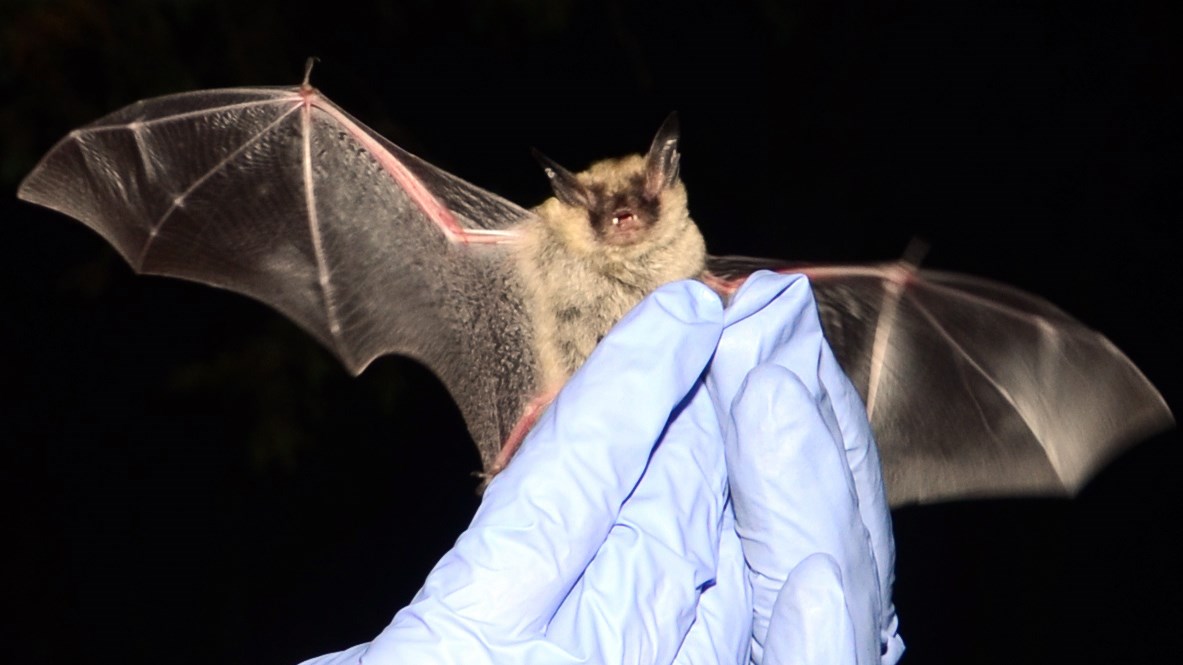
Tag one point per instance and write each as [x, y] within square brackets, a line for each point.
[584, 266]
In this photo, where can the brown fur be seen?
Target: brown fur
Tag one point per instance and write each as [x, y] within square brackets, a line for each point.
[578, 286]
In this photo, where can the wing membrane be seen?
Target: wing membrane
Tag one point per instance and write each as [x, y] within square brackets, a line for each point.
[975, 388]
[279, 195]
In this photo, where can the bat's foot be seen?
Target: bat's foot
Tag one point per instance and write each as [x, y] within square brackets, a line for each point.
[485, 478]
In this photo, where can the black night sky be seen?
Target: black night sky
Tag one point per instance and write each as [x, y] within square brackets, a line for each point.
[189, 479]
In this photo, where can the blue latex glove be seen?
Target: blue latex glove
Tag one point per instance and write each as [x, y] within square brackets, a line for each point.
[806, 483]
[594, 546]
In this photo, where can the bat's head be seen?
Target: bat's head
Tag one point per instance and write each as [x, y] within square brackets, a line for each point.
[623, 202]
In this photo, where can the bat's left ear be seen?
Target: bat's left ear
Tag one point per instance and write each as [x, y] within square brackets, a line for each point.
[566, 186]
[661, 164]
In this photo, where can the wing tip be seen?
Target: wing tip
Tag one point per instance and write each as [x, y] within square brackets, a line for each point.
[24, 193]
[918, 482]
[28, 189]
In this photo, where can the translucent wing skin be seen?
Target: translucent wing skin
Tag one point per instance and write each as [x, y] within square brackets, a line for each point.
[278, 194]
[974, 388]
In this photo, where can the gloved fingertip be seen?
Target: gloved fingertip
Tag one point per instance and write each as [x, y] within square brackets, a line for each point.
[817, 579]
[668, 338]
[810, 624]
[765, 287]
[893, 644]
[776, 381]
[758, 414]
[689, 301]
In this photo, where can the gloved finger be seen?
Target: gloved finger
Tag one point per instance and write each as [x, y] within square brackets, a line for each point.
[862, 456]
[765, 314]
[722, 630]
[773, 318]
[810, 623]
[794, 497]
[638, 598]
[544, 518]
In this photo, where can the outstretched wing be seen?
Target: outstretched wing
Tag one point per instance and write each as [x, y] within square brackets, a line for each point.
[278, 194]
[974, 388]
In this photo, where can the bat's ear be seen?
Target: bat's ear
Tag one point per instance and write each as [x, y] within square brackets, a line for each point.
[661, 164]
[566, 186]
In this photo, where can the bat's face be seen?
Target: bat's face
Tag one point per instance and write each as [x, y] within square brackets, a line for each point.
[608, 237]
[619, 209]
[622, 202]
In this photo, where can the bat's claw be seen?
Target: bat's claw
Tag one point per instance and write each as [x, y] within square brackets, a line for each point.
[486, 477]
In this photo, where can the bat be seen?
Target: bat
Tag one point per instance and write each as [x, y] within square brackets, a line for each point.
[973, 388]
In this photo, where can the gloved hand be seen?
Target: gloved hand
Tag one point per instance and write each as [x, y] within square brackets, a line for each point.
[806, 484]
[594, 546]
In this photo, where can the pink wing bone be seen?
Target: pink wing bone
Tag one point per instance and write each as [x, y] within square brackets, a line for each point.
[525, 423]
[435, 210]
[438, 213]
[896, 275]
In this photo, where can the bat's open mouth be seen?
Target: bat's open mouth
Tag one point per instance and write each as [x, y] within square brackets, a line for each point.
[624, 228]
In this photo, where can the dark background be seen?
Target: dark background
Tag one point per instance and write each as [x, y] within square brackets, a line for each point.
[187, 478]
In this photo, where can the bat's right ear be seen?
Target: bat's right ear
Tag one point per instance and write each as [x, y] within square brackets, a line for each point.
[566, 186]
